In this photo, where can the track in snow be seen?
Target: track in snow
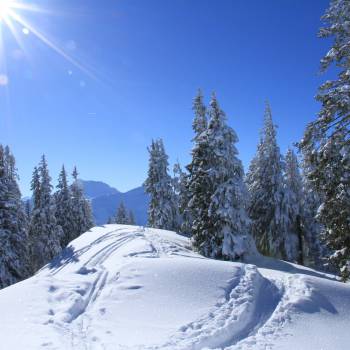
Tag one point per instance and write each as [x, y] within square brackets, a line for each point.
[249, 301]
[123, 287]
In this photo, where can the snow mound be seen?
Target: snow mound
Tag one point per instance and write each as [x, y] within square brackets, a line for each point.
[127, 287]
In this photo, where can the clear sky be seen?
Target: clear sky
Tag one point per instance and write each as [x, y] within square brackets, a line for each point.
[91, 82]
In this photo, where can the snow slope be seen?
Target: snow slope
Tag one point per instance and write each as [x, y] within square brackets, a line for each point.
[126, 287]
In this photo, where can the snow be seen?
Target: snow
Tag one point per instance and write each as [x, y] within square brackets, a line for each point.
[129, 287]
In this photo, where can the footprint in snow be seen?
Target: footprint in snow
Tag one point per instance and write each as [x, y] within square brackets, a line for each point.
[86, 271]
[52, 289]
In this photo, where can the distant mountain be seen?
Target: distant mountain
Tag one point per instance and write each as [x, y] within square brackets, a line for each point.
[93, 189]
[105, 201]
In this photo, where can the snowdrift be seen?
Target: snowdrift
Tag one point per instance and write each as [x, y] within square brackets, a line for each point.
[127, 287]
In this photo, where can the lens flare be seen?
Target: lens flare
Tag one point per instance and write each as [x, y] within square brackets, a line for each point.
[5, 7]
[12, 16]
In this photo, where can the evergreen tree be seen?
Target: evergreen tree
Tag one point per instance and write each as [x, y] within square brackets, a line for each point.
[44, 232]
[216, 189]
[161, 211]
[180, 198]
[325, 145]
[28, 210]
[295, 238]
[186, 181]
[14, 263]
[331, 177]
[315, 251]
[64, 208]
[229, 232]
[200, 121]
[122, 217]
[82, 212]
[198, 180]
[333, 94]
[267, 205]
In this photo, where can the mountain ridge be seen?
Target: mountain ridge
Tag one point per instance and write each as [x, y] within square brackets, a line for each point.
[106, 199]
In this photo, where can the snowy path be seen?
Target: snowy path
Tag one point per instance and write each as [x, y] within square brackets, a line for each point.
[126, 287]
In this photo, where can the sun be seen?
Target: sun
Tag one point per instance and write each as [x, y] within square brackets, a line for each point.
[5, 8]
[13, 17]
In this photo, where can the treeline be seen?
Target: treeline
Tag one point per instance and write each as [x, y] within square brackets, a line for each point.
[227, 213]
[297, 213]
[31, 234]
[275, 207]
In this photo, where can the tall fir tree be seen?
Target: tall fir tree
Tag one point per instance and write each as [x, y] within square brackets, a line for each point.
[295, 237]
[162, 210]
[334, 115]
[14, 262]
[28, 210]
[331, 178]
[198, 179]
[315, 251]
[229, 236]
[44, 232]
[267, 205]
[200, 121]
[82, 212]
[180, 198]
[326, 140]
[216, 189]
[64, 208]
[199, 125]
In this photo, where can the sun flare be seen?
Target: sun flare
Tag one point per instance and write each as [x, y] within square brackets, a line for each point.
[12, 16]
[5, 8]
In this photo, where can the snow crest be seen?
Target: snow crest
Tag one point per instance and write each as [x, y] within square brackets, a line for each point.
[127, 287]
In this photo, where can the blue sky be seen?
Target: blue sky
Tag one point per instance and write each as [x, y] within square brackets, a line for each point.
[131, 69]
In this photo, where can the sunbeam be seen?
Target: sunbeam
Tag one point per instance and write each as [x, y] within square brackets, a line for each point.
[11, 17]
[5, 6]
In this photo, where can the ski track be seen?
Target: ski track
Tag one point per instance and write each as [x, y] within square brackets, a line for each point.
[229, 325]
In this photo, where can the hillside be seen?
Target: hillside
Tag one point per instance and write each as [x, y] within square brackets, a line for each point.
[126, 287]
[93, 189]
[105, 201]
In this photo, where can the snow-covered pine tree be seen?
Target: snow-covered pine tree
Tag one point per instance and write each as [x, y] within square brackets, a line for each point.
[122, 217]
[329, 134]
[64, 208]
[295, 238]
[89, 220]
[314, 250]
[44, 232]
[200, 121]
[198, 179]
[267, 204]
[199, 125]
[181, 199]
[331, 177]
[82, 212]
[28, 209]
[14, 262]
[228, 235]
[162, 210]
[215, 187]
[333, 94]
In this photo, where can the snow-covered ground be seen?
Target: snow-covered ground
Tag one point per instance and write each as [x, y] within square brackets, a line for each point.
[126, 287]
